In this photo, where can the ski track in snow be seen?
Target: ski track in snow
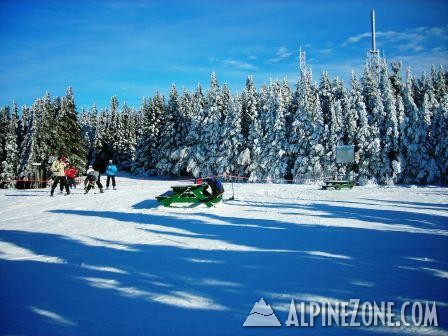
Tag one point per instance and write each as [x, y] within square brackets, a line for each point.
[119, 264]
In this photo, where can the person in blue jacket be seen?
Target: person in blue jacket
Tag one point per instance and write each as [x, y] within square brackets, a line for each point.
[111, 170]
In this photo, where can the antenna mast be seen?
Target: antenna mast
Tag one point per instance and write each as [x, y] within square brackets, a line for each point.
[374, 51]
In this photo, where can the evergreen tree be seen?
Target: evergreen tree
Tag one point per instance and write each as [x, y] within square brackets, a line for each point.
[56, 107]
[21, 129]
[361, 133]
[84, 121]
[226, 164]
[69, 137]
[157, 122]
[88, 129]
[397, 87]
[4, 127]
[212, 132]
[390, 140]
[439, 130]
[46, 133]
[179, 157]
[102, 151]
[111, 134]
[196, 152]
[439, 84]
[148, 142]
[439, 124]
[50, 130]
[141, 164]
[395, 78]
[26, 155]
[169, 134]
[326, 97]
[411, 137]
[351, 118]
[375, 113]
[232, 144]
[22, 133]
[126, 139]
[428, 171]
[333, 136]
[251, 130]
[334, 108]
[273, 159]
[308, 131]
[226, 102]
[9, 165]
[341, 94]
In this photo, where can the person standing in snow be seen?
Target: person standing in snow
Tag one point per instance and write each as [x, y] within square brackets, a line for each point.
[111, 170]
[71, 173]
[58, 169]
[93, 176]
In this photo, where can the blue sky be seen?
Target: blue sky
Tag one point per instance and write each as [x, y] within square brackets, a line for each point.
[133, 48]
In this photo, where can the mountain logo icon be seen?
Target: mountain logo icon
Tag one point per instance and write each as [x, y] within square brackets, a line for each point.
[262, 315]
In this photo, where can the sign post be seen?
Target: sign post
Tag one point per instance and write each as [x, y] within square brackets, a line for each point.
[345, 155]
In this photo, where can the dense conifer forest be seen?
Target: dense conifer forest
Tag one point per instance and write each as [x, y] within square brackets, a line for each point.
[278, 131]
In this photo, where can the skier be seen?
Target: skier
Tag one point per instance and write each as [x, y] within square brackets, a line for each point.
[93, 176]
[58, 168]
[71, 173]
[111, 170]
[215, 185]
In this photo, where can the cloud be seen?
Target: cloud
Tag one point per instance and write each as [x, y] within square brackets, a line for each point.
[415, 40]
[239, 65]
[388, 35]
[411, 46]
[325, 51]
[357, 38]
[423, 62]
[439, 49]
[281, 54]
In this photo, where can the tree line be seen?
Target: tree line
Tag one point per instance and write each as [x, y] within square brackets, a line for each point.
[397, 125]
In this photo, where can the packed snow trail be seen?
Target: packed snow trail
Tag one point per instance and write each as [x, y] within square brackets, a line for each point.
[119, 264]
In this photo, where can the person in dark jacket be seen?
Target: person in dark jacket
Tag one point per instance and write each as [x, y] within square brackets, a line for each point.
[111, 170]
[216, 186]
[93, 176]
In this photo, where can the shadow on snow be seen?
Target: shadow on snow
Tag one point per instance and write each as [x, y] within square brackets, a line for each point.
[171, 290]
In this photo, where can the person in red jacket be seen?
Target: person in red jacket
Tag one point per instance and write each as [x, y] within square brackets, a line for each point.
[71, 174]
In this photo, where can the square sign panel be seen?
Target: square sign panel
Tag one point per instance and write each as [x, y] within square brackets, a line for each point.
[345, 154]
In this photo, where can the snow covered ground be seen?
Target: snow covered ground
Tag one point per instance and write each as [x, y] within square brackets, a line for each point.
[119, 264]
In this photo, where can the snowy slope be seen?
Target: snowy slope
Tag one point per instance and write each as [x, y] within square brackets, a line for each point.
[118, 264]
